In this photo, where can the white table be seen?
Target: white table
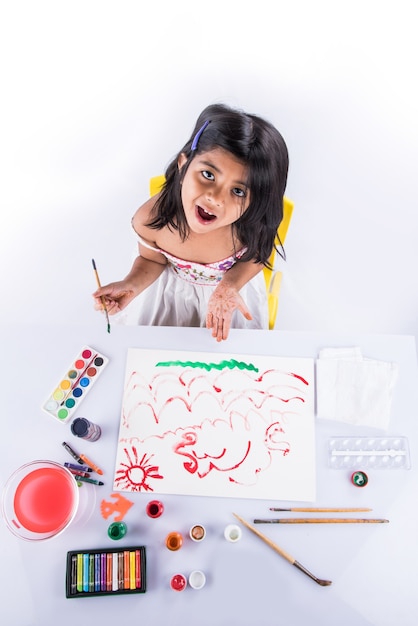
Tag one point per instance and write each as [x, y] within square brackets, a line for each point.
[373, 567]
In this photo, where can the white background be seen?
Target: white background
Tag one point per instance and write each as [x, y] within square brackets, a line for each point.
[98, 96]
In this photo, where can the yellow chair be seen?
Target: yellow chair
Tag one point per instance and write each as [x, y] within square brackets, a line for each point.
[272, 278]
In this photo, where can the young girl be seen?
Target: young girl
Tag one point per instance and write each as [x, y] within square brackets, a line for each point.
[204, 239]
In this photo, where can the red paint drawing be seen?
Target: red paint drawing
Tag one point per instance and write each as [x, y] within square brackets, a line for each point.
[220, 425]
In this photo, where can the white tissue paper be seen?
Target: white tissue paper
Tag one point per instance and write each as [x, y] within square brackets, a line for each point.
[354, 389]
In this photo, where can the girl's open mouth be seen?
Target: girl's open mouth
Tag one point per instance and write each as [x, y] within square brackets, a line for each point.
[204, 215]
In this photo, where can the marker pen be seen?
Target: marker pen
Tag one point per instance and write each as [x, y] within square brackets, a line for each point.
[73, 454]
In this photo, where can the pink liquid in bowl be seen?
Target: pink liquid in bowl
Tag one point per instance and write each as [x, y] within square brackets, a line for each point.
[44, 500]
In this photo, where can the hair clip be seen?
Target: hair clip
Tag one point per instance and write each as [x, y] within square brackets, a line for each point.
[197, 135]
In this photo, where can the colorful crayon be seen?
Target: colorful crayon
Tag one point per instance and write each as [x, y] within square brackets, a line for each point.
[126, 569]
[103, 572]
[120, 570]
[86, 559]
[91, 572]
[138, 569]
[79, 573]
[74, 573]
[97, 572]
[115, 586]
[109, 571]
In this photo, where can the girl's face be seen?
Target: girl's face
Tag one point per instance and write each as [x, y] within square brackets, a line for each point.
[214, 192]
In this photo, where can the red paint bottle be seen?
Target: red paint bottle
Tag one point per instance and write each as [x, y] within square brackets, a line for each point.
[155, 508]
[178, 582]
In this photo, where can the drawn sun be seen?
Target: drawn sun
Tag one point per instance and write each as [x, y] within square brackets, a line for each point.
[135, 474]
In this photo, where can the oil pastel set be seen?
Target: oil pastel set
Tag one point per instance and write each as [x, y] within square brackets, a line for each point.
[106, 571]
[75, 384]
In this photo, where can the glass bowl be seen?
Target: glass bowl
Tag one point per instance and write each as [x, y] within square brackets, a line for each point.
[39, 500]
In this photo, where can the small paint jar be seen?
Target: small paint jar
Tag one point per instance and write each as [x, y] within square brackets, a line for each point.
[155, 508]
[359, 479]
[197, 579]
[117, 530]
[82, 427]
[197, 532]
[232, 533]
[178, 582]
[174, 541]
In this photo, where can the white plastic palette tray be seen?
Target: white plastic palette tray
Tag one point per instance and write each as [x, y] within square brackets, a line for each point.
[369, 452]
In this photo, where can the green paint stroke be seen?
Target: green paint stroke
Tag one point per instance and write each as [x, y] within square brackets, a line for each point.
[231, 364]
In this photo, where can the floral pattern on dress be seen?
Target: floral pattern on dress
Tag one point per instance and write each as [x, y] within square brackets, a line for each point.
[200, 273]
[197, 273]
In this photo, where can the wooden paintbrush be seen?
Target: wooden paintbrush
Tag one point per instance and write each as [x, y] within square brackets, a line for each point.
[102, 299]
[285, 555]
[322, 510]
[321, 520]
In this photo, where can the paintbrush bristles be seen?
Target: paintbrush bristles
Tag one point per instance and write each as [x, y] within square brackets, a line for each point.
[320, 581]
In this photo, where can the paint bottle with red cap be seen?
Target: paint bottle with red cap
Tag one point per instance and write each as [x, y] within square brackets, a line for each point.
[82, 427]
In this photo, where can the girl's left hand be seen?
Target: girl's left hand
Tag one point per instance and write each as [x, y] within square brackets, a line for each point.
[222, 303]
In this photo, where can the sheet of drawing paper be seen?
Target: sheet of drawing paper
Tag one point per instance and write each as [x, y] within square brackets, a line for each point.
[210, 424]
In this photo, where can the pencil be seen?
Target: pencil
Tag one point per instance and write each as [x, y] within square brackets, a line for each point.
[321, 520]
[102, 299]
[322, 510]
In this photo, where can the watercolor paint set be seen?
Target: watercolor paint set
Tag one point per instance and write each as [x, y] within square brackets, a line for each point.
[106, 571]
[75, 384]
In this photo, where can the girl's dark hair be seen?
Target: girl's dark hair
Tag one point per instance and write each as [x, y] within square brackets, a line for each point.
[261, 148]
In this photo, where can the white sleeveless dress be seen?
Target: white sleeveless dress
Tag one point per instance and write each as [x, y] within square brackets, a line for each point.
[180, 295]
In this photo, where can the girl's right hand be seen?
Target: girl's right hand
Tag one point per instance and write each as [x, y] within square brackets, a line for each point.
[116, 297]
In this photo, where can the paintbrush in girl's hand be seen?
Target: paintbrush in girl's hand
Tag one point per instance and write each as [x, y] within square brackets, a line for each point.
[102, 299]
